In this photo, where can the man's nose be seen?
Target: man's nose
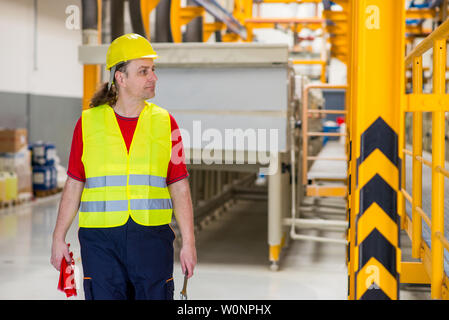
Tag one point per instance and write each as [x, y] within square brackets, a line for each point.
[152, 76]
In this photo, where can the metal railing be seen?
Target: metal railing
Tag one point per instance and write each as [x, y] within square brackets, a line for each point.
[417, 103]
[306, 134]
[295, 221]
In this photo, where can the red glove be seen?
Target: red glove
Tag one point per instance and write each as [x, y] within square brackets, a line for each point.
[67, 277]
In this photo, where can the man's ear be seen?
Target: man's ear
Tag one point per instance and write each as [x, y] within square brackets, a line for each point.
[119, 78]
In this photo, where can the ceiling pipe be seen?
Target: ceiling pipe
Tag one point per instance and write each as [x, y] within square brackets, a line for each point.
[117, 18]
[135, 12]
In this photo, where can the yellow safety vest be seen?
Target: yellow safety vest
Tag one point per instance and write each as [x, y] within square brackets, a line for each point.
[118, 184]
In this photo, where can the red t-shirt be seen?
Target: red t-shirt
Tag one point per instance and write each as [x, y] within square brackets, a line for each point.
[177, 169]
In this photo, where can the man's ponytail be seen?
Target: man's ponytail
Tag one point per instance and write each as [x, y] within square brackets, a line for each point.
[105, 96]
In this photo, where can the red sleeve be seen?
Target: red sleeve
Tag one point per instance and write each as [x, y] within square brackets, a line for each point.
[177, 169]
[76, 166]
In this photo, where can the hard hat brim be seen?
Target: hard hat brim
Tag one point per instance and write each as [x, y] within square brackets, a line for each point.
[153, 56]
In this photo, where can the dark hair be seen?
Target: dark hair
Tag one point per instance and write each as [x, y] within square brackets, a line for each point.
[105, 96]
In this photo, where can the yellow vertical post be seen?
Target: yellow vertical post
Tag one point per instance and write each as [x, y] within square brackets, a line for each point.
[352, 109]
[438, 155]
[378, 97]
[90, 76]
[417, 165]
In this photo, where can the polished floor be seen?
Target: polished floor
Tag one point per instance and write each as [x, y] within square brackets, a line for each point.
[232, 259]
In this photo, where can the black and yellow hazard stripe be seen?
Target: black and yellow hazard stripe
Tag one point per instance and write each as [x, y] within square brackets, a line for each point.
[377, 253]
[376, 87]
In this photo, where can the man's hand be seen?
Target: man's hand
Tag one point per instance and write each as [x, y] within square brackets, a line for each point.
[68, 207]
[187, 256]
[59, 250]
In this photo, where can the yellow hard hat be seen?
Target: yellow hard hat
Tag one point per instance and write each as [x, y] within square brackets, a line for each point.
[128, 47]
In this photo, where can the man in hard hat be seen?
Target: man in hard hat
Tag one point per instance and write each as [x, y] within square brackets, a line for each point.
[126, 177]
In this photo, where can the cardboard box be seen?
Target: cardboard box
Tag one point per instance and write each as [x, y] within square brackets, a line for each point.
[13, 140]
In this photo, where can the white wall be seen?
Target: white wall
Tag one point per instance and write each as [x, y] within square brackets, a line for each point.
[16, 21]
[53, 68]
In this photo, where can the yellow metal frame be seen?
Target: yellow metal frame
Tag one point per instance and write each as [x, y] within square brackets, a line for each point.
[338, 30]
[436, 102]
[210, 27]
[180, 16]
[146, 6]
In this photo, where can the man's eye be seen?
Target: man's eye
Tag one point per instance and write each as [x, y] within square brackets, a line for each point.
[143, 71]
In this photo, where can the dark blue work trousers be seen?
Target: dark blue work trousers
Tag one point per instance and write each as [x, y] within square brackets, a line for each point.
[129, 262]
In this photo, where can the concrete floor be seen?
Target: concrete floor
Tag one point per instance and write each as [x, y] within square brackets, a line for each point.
[232, 259]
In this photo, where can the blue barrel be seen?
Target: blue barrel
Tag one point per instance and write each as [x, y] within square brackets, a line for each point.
[332, 129]
[50, 154]
[44, 153]
[39, 158]
[54, 177]
[40, 180]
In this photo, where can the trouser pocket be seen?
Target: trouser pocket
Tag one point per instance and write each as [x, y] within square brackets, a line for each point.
[87, 283]
[169, 289]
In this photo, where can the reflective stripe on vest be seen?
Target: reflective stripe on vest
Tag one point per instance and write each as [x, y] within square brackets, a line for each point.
[120, 184]
[122, 205]
[134, 179]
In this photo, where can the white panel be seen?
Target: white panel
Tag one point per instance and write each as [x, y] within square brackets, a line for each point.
[58, 71]
[54, 68]
[16, 22]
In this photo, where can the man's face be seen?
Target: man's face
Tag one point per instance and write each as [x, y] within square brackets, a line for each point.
[141, 80]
